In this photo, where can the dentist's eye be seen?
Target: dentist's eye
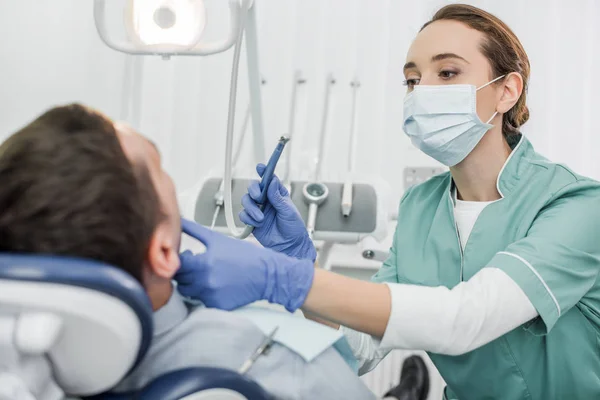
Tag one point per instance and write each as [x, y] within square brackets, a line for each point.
[411, 83]
[447, 75]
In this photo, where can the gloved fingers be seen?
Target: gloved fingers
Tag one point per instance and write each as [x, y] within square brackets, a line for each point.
[277, 195]
[186, 268]
[191, 291]
[191, 269]
[185, 257]
[184, 278]
[254, 190]
[197, 231]
[260, 169]
[252, 209]
[248, 220]
[255, 193]
[283, 191]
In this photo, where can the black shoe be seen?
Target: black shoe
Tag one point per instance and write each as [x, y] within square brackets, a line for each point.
[414, 381]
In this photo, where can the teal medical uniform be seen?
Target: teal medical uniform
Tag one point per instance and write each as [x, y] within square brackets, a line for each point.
[545, 234]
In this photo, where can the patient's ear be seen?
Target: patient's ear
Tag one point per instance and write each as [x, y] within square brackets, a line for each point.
[163, 255]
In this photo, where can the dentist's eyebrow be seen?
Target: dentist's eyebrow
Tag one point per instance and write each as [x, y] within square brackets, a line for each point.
[445, 56]
[409, 65]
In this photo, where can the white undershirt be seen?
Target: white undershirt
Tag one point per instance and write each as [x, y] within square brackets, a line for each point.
[465, 215]
[445, 321]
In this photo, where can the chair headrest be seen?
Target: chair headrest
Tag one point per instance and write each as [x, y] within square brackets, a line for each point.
[106, 316]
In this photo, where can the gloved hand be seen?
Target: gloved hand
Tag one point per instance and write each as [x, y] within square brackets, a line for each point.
[233, 273]
[279, 226]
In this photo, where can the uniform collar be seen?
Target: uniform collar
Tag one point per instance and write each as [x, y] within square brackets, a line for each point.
[514, 166]
[512, 170]
[171, 314]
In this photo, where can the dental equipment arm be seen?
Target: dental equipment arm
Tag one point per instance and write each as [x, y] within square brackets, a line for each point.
[255, 104]
[348, 186]
[298, 80]
[243, 21]
[219, 197]
[315, 194]
[324, 126]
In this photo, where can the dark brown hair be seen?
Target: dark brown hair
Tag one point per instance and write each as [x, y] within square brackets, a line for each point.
[503, 50]
[67, 188]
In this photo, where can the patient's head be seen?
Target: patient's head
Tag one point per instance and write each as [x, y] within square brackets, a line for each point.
[72, 185]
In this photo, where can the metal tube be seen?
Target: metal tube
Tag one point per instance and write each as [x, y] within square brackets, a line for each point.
[347, 192]
[324, 126]
[298, 80]
[254, 80]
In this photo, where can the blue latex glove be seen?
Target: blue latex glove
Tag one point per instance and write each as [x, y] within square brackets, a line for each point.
[233, 273]
[279, 226]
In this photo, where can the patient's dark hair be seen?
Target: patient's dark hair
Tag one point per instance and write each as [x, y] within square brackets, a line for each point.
[67, 188]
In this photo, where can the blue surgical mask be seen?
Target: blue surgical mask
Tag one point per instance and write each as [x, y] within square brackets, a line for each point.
[442, 121]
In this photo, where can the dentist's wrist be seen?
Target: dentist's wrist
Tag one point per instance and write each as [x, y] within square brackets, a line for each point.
[303, 249]
[288, 281]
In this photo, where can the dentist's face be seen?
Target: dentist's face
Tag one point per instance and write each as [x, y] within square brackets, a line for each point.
[449, 53]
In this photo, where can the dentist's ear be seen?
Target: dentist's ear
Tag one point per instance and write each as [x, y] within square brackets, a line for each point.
[512, 87]
[163, 254]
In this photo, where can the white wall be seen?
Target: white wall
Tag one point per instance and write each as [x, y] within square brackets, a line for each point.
[50, 54]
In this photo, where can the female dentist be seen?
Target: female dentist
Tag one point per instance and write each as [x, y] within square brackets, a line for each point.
[494, 269]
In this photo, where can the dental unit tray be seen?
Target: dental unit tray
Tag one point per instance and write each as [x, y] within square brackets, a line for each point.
[331, 225]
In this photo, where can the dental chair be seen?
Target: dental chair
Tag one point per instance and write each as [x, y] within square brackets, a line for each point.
[71, 328]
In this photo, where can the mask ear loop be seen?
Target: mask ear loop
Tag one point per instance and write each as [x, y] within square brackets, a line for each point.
[493, 116]
[487, 84]
[490, 82]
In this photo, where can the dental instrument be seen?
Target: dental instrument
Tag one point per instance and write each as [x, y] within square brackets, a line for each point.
[298, 80]
[348, 186]
[270, 169]
[324, 125]
[315, 193]
[219, 197]
[264, 186]
[260, 350]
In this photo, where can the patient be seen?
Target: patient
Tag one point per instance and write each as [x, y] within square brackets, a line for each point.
[75, 184]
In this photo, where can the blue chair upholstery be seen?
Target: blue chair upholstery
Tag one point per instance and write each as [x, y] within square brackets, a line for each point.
[114, 282]
[86, 274]
[178, 384]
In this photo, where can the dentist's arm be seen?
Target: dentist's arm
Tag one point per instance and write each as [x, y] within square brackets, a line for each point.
[436, 319]
[384, 310]
[233, 273]
[346, 301]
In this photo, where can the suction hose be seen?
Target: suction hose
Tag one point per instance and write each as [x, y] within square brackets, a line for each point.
[228, 178]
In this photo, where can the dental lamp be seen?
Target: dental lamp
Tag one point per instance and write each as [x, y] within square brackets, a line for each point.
[170, 28]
